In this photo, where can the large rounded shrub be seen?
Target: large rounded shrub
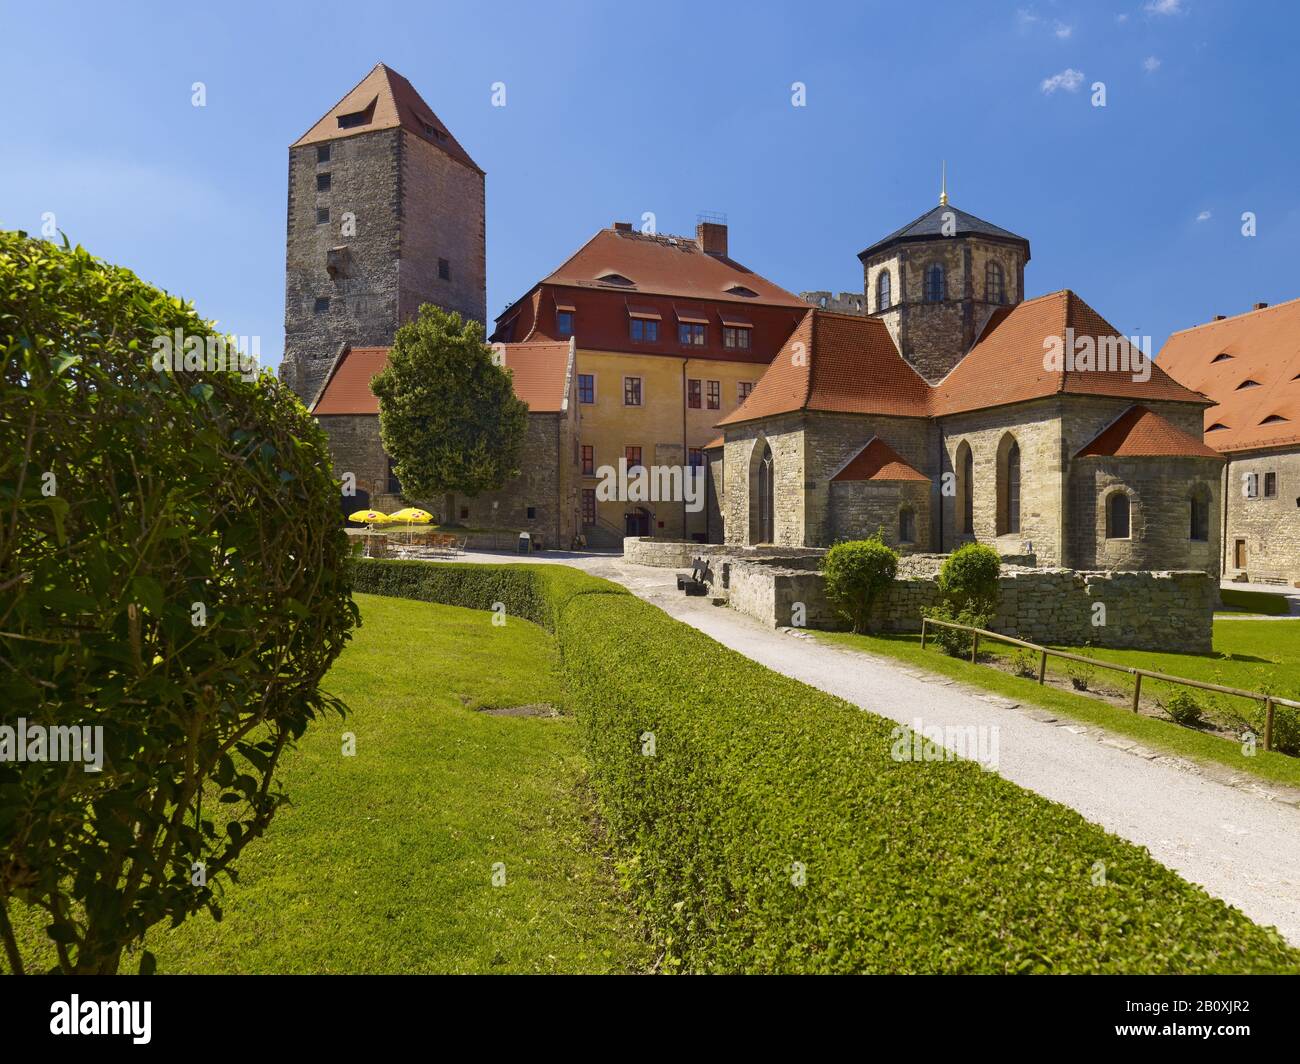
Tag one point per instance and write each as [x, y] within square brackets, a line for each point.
[856, 573]
[969, 578]
[171, 571]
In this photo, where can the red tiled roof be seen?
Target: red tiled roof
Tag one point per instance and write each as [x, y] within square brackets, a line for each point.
[715, 443]
[1006, 365]
[1139, 432]
[840, 363]
[666, 266]
[878, 461]
[1264, 346]
[540, 373]
[347, 390]
[395, 103]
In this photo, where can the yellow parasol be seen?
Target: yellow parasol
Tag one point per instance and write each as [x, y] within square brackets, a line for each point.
[369, 517]
[412, 515]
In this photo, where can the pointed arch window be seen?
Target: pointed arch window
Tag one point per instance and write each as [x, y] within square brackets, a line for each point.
[1008, 486]
[967, 465]
[883, 293]
[934, 288]
[1117, 515]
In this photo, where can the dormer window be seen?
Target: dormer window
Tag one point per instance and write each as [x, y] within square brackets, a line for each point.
[616, 278]
[1274, 419]
[741, 290]
[1223, 356]
[358, 118]
[1247, 383]
[1218, 426]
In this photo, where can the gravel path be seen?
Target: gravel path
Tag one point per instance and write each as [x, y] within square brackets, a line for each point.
[1240, 846]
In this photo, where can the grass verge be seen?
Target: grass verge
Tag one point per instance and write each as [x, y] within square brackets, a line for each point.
[1159, 734]
[384, 861]
[764, 826]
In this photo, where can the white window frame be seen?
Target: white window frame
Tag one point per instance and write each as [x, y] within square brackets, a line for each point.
[634, 377]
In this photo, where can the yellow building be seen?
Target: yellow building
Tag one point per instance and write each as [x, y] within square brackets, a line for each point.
[671, 334]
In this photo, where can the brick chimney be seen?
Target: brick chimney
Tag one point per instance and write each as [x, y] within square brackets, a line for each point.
[711, 238]
[1219, 317]
[623, 227]
[1259, 306]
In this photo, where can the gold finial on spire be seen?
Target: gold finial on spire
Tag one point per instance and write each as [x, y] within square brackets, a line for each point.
[943, 184]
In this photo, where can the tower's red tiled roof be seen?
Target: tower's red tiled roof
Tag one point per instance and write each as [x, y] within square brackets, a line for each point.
[841, 363]
[386, 100]
[1262, 346]
[878, 461]
[1139, 432]
[540, 372]
[1006, 365]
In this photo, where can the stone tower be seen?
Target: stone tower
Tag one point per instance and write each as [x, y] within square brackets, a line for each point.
[936, 282]
[386, 212]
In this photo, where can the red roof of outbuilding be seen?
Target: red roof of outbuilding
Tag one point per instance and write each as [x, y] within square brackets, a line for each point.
[1139, 432]
[1263, 347]
[540, 373]
[878, 461]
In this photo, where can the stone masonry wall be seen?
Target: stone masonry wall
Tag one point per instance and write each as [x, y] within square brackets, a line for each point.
[740, 502]
[1269, 526]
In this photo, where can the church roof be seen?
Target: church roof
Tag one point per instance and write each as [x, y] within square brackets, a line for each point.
[1140, 433]
[1249, 366]
[878, 461]
[930, 226]
[838, 363]
[383, 99]
[1008, 365]
[541, 373]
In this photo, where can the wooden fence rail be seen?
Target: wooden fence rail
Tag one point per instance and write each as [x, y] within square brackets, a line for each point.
[1269, 701]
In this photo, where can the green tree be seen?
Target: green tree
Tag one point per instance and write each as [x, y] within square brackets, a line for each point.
[448, 415]
[857, 573]
[172, 575]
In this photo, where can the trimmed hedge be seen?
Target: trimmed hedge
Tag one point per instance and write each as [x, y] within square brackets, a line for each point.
[1265, 602]
[924, 866]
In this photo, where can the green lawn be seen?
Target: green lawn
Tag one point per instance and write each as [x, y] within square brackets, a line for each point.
[384, 861]
[1253, 655]
[1238, 601]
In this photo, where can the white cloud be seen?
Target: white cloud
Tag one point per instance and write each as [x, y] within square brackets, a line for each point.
[1025, 17]
[1063, 31]
[1164, 7]
[1150, 64]
[1068, 79]
[1121, 18]
[1204, 216]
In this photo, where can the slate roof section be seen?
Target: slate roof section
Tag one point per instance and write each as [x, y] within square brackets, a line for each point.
[929, 226]
[1142, 433]
[396, 104]
[1263, 346]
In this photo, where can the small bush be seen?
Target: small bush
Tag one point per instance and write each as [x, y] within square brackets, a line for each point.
[1183, 707]
[1025, 663]
[954, 641]
[1080, 674]
[856, 573]
[969, 578]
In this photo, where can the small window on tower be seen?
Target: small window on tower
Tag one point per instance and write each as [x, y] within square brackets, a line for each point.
[323, 153]
[322, 304]
[322, 182]
[532, 512]
[444, 269]
[322, 215]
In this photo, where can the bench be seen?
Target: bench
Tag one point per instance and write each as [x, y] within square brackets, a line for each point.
[693, 583]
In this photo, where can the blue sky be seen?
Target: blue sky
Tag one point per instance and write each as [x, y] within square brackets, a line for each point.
[615, 109]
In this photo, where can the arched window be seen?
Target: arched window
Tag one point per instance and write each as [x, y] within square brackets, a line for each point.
[761, 490]
[1117, 515]
[995, 290]
[966, 463]
[1200, 517]
[882, 290]
[1008, 486]
[906, 525]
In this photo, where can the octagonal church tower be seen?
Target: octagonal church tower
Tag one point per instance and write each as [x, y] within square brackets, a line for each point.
[936, 281]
